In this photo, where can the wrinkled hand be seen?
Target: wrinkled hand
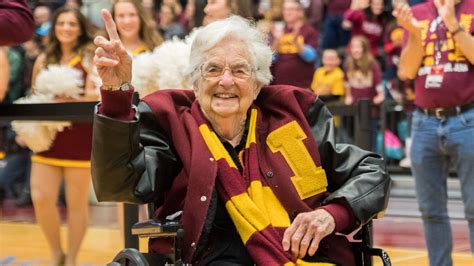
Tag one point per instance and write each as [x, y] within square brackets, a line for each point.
[405, 18]
[306, 231]
[114, 64]
[447, 13]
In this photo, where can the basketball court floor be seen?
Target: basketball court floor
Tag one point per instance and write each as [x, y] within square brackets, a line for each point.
[400, 233]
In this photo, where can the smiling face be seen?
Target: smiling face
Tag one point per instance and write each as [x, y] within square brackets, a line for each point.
[67, 28]
[356, 48]
[377, 7]
[127, 20]
[292, 12]
[330, 59]
[231, 94]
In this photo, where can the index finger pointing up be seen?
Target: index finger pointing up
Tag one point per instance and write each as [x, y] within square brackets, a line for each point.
[110, 25]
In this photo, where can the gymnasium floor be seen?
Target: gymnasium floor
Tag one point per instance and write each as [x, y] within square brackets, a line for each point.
[21, 242]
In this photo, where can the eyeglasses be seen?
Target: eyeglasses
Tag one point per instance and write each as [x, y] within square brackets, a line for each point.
[214, 71]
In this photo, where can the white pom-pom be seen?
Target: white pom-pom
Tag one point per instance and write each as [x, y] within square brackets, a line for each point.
[144, 74]
[59, 80]
[164, 67]
[172, 59]
[38, 135]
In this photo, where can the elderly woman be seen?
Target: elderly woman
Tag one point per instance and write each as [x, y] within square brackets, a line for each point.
[253, 168]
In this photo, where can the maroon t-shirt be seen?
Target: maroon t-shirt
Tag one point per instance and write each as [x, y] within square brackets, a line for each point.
[457, 87]
[373, 29]
[365, 87]
[289, 68]
[337, 7]
[75, 141]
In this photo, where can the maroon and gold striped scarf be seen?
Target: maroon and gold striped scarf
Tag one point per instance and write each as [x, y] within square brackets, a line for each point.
[258, 215]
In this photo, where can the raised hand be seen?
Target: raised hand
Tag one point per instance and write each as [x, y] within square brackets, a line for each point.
[404, 15]
[360, 4]
[114, 64]
[306, 231]
[447, 13]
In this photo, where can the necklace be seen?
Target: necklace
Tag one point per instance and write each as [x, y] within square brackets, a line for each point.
[65, 60]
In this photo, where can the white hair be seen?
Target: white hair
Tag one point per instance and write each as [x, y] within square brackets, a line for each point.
[236, 28]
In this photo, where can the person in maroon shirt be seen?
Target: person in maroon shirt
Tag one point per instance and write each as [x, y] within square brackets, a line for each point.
[439, 55]
[16, 22]
[362, 73]
[295, 48]
[363, 80]
[369, 21]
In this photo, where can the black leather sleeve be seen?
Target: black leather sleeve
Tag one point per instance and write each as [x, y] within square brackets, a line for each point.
[357, 175]
[132, 161]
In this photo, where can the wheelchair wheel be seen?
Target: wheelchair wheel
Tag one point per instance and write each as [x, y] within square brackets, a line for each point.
[133, 257]
[129, 257]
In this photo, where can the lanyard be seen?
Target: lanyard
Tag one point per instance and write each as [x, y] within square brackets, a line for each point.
[433, 28]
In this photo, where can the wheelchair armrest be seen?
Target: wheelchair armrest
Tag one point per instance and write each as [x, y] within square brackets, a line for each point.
[155, 228]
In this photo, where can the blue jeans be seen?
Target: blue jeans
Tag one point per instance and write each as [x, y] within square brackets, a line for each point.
[333, 34]
[16, 171]
[436, 144]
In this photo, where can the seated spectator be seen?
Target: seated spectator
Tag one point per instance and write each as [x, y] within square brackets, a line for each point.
[328, 80]
[230, 155]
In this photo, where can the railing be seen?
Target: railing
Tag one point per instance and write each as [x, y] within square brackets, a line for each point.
[83, 112]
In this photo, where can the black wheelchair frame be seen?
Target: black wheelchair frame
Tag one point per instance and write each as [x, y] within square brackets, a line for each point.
[361, 246]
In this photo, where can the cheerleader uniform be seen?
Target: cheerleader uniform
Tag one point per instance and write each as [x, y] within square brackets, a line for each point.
[72, 146]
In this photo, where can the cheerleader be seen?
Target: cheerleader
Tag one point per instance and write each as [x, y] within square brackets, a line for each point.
[68, 156]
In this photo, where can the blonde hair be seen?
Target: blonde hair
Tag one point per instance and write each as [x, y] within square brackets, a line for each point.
[364, 64]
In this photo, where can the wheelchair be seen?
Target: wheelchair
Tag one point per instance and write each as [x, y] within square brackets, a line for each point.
[361, 246]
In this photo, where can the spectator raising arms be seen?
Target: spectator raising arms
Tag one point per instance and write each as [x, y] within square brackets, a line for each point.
[367, 18]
